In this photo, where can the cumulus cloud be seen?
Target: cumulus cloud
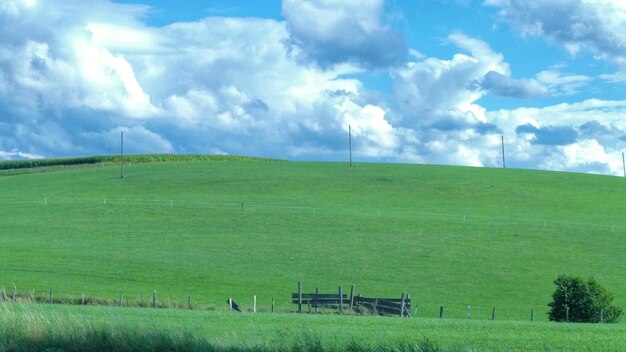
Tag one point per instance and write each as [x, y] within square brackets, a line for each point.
[588, 136]
[550, 135]
[499, 84]
[328, 33]
[596, 26]
[427, 89]
[72, 78]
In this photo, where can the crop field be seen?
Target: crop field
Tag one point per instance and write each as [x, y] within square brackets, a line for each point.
[213, 229]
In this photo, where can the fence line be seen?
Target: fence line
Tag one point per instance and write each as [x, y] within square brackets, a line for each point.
[314, 210]
[250, 305]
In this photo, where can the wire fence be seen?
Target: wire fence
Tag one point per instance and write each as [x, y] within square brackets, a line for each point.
[419, 215]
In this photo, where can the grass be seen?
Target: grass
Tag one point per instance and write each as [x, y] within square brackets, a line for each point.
[72, 328]
[450, 236]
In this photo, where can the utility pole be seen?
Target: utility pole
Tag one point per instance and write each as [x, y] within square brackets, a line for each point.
[122, 155]
[503, 161]
[350, 142]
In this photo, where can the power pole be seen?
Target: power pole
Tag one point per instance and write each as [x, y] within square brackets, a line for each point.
[122, 155]
[503, 161]
[350, 142]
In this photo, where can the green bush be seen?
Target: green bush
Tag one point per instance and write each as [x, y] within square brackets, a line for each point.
[580, 301]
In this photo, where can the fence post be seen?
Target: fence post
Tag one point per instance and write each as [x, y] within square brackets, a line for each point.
[230, 303]
[154, 299]
[299, 297]
[14, 299]
[402, 306]
[408, 309]
[340, 299]
[82, 299]
[272, 304]
[532, 315]
[469, 312]
[50, 295]
[254, 305]
[189, 302]
[567, 313]
[317, 292]
[121, 299]
[493, 314]
[417, 306]
[601, 316]
[351, 297]
[441, 312]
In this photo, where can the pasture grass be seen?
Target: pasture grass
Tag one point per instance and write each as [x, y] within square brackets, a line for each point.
[72, 328]
[451, 236]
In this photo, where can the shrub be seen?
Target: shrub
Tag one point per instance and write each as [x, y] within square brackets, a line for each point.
[587, 301]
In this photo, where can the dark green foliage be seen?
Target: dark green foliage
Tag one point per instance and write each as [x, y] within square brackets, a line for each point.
[588, 302]
[130, 158]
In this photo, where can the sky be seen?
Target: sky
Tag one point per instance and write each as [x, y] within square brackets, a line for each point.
[420, 81]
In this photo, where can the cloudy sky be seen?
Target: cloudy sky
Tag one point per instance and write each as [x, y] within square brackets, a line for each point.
[418, 81]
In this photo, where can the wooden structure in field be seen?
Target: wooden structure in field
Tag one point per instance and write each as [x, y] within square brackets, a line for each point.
[376, 305]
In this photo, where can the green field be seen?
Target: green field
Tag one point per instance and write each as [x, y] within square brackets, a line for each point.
[450, 236]
[73, 328]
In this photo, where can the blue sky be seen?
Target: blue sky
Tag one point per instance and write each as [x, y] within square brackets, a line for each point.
[438, 81]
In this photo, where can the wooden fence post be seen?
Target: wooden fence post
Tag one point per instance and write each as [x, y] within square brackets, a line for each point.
[189, 302]
[441, 312]
[493, 314]
[317, 292]
[272, 304]
[532, 315]
[50, 295]
[154, 299]
[402, 306]
[340, 299]
[469, 312]
[567, 313]
[601, 316]
[408, 310]
[121, 299]
[254, 305]
[299, 297]
[82, 299]
[230, 303]
[351, 297]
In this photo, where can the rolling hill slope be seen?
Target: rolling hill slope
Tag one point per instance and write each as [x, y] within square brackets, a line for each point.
[450, 236]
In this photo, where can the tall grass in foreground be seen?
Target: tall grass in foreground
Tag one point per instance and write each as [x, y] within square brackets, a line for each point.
[31, 329]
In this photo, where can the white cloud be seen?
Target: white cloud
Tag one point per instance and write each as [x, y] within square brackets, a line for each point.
[562, 84]
[16, 154]
[330, 32]
[427, 90]
[69, 86]
[137, 140]
[584, 137]
[499, 84]
[596, 26]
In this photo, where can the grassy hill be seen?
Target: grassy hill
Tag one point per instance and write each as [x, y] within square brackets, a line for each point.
[450, 236]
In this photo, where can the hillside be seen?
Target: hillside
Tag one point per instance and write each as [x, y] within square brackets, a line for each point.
[450, 236]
